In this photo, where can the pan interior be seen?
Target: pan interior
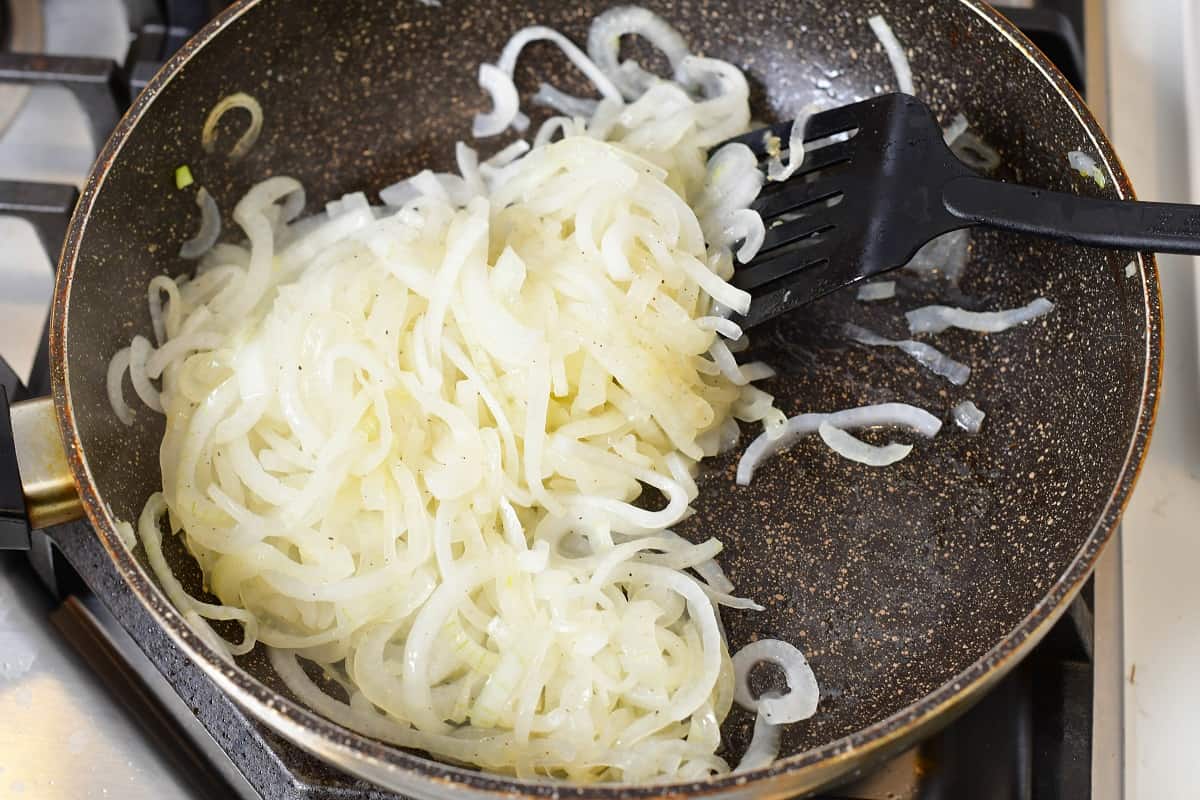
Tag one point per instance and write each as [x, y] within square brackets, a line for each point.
[892, 581]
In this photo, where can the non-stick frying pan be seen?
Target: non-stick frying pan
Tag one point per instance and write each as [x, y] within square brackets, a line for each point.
[912, 588]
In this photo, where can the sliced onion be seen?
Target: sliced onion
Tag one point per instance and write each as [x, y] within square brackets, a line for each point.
[439, 186]
[505, 102]
[855, 449]
[957, 127]
[898, 414]
[946, 254]
[975, 153]
[1086, 166]
[294, 200]
[880, 290]
[512, 50]
[604, 45]
[757, 371]
[210, 227]
[935, 319]
[746, 225]
[714, 576]
[726, 327]
[968, 416]
[139, 351]
[165, 322]
[800, 701]
[208, 135]
[347, 203]
[545, 133]
[555, 98]
[776, 169]
[125, 532]
[764, 743]
[926, 355]
[1131, 269]
[895, 53]
[117, 367]
[507, 155]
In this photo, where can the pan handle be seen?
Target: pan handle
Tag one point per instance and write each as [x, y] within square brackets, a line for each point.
[37, 489]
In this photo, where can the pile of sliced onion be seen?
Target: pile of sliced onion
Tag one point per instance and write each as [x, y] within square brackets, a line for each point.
[404, 442]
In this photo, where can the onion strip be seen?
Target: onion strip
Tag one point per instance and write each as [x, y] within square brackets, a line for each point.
[895, 53]
[210, 227]
[935, 319]
[854, 449]
[799, 702]
[897, 414]
[924, 354]
[208, 135]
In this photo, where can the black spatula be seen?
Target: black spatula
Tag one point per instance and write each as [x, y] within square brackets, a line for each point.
[884, 183]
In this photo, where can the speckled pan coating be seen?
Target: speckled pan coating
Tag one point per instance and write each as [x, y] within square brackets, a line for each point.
[910, 588]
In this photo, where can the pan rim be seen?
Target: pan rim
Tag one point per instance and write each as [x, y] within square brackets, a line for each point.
[404, 771]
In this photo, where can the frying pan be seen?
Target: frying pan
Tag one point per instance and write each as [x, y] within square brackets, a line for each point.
[911, 589]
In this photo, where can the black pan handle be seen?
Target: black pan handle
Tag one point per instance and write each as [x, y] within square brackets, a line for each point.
[1121, 224]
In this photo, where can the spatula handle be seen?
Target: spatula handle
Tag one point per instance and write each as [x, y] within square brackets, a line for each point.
[1121, 224]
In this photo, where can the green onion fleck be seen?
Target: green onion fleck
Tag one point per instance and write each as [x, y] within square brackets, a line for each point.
[183, 177]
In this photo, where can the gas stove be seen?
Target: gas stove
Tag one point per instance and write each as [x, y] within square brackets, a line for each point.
[83, 667]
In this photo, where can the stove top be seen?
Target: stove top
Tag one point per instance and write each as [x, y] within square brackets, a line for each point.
[1031, 737]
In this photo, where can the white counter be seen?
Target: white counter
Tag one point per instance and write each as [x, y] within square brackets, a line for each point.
[1149, 126]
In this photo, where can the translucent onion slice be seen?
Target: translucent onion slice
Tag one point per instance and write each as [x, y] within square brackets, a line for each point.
[1086, 166]
[974, 152]
[968, 416]
[895, 53]
[880, 290]
[505, 102]
[764, 742]
[507, 155]
[117, 367]
[899, 414]
[957, 127]
[210, 227]
[935, 319]
[604, 45]
[552, 97]
[512, 50]
[776, 169]
[926, 355]
[855, 449]
[208, 135]
[799, 702]
[946, 254]
[140, 350]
